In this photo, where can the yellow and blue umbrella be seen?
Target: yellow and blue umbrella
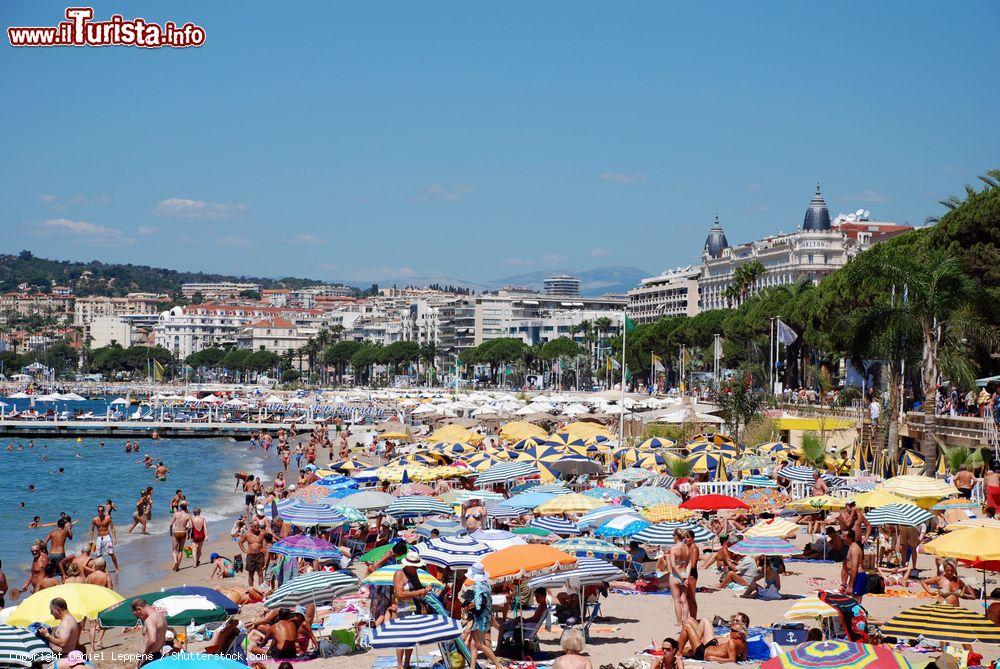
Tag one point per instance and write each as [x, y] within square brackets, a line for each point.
[705, 462]
[657, 442]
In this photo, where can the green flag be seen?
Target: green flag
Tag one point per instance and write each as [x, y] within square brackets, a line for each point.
[629, 324]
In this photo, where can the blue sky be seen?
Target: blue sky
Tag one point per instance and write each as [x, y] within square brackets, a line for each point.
[386, 141]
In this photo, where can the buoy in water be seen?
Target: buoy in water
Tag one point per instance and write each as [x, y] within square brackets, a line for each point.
[79, 439]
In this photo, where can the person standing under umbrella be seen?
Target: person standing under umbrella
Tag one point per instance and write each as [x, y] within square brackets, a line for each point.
[480, 612]
[408, 593]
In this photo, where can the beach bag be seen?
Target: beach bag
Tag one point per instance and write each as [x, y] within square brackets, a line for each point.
[758, 649]
[238, 564]
[876, 584]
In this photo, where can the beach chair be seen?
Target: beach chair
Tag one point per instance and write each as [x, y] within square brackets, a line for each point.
[595, 612]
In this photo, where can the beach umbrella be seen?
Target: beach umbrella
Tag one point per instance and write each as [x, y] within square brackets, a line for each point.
[505, 472]
[702, 463]
[918, 487]
[453, 449]
[531, 531]
[836, 654]
[773, 527]
[662, 534]
[83, 599]
[810, 608]
[454, 552]
[572, 503]
[942, 622]
[411, 631]
[583, 547]
[588, 571]
[307, 514]
[337, 481]
[764, 500]
[592, 519]
[498, 539]
[621, 526]
[969, 543]
[352, 515]
[909, 515]
[575, 465]
[347, 465]
[499, 511]
[764, 545]
[556, 525]
[376, 554]
[565, 439]
[468, 495]
[527, 561]
[798, 473]
[310, 493]
[651, 496]
[910, 458]
[992, 523]
[201, 660]
[386, 574]
[316, 587]
[528, 499]
[713, 503]
[631, 475]
[413, 490]
[956, 503]
[528, 442]
[306, 547]
[666, 513]
[657, 442]
[759, 481]
[21, 648]
[446, 527]
[180, 605]
[773, 448]
[717, 438]
[817, 503]
[604, 494]
[480, 461]
[417, 506]
[552, 489]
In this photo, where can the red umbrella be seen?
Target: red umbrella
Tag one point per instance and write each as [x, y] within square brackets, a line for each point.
[713, 503]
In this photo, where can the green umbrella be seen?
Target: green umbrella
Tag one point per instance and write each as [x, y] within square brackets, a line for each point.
[376, 554]
[120, 615]
[534, 531]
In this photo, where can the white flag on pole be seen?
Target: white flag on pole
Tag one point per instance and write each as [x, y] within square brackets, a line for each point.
[718, 347]
[786, 335]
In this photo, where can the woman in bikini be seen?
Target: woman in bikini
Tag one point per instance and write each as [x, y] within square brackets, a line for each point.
[678, 564]
[694, 554]
[950, 588]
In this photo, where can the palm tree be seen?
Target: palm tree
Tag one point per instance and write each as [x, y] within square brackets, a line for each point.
[813, 454]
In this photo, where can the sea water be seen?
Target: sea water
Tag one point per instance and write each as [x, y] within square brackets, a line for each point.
[96, 469]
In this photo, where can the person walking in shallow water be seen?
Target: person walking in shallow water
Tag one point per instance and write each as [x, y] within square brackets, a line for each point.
[180, 525]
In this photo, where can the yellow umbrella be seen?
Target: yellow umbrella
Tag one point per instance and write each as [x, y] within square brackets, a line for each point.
[970, 543]
[810, 608]
[402, 436]
[921, 489]
[818, 503]
[667, 513]
[517, 430]
[572, 503]
[973, 522]
[83, 599]
[877, 498]
[776, 527]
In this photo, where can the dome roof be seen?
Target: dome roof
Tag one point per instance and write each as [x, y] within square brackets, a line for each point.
[716, 240]
[817, 215]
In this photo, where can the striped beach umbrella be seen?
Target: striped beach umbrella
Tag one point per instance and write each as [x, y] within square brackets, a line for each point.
[592, 519]
[386, 574]
[773, 527]
[917, 487]
[500, 511]
[565, 439]
[910, 458]
[531, 531]
[588, 571]
[621, 526]
[941, 622]
[650, 496]
[955, 503]
[909, 515]
[318, 587]
[446, 527]
[716, 438]
[836, 654]
[586, 547]
[662, 534]
[631, 475]
[765, 545]
[368, 500]
[666, 513]
[572, 503]
[21, 648]
[404, 507]
[454, 552]
[307, 514]
[306, 547]
[480, 461]
[528, 442]
[657, 442]
[411, 631]
[773, 448]
[810, 608]
[759, 481]
[797, 473]
[337, 481]
[347, 465]
[506, 472]
[556, 525]
[453, 449]
[528, 499]
[498, 539]
[707, 461]
[552, 489]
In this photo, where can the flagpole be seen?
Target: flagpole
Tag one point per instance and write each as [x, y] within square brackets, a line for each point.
[621, 416]
[770, 354]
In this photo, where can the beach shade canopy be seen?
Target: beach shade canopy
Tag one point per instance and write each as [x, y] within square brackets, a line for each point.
[556, 525]
[810, 608]
[181, 606]
[621, 526]
[942, 622]
[650, 496]
[200, 660]
[592, 519]
[505, 472]
[759, 481]
[657, 442]
[817, 503]
[876, 498]
[376, 554]
[368, 500]
[773, 527]
[412, 631]
[571, 503]
[753, 546]
[500, 511]
[454, 552]
[306, 547]
[83, 599]
[969, 543]
[318, 587]
[337, 481]
[386, 574]
[528, 499]
[531, 531]
[713, 503]
[666, 513]
[347, 466]
[498, 540]
[918, 487]
[308, 514]
[991, 523]
[21, 648]
[836, 654]
[773, 447]
[446, 527]
[956, 503]
[765, 500]
[530, 560]
[751, 462]
[662, 534]
[404, 507]
[585, 547]
[909, 515]
[575, 465]
[413, 490]
[798, 473]
[588, 571]
[631, 475]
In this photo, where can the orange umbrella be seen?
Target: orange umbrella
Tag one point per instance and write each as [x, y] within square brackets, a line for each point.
[526, 561]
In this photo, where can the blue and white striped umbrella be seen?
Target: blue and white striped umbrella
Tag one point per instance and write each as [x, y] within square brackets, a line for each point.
[482, 495]
[416, 506]
[529, 499]
[909, 515]
[316, 587]
[412, 631]
[650, 496]
[21, 648]
[598, 517]
[556, 525]
[552, 489]
[801, 474]
[588, 547]
[503, 472]
[454, 552]
[368, 500]
[501, 511]
[662, 534]
[337, 481]
[621, 526]
[864, 486]
[306, 514]
[446, 527]
[759, 481]
[754, 546]
[588, 571]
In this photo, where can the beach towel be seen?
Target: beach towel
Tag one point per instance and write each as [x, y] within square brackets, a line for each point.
[907, 594]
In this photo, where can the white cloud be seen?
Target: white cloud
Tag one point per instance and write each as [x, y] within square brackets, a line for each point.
[623, 177]
[61, 204]
[233, 242]
[89, 233]
[177, 207]
[865, 196]
[48, 199]
[306, 240]
[598, 252]
[553, 259]
[438, 192]
[147, 229]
